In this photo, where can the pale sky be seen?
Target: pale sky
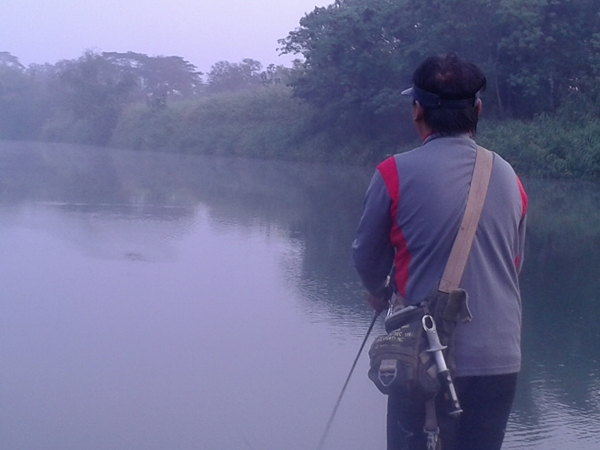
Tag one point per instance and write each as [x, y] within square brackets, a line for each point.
[201, 31]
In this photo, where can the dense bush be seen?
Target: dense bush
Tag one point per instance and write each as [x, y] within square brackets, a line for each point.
[261, 123]
[547, 146]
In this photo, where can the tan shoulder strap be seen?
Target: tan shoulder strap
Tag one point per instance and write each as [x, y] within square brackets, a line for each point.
[464, 239]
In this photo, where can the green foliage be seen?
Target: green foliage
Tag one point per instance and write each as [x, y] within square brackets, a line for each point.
[95, 92]
[143, 128]
[542, 98]
[97, 87]
[81, 100]
[159, 78]
[546, 52]
[229, 77]
[548, 146]
[24, 101]
[358, 55]
[353, 70]
[259, 123]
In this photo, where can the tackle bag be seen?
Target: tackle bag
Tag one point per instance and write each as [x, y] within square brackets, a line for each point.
[400, 361]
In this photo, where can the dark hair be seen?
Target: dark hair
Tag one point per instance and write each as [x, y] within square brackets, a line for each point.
[450, 78]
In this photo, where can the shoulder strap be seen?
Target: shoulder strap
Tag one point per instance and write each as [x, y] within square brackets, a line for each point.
[459, 254]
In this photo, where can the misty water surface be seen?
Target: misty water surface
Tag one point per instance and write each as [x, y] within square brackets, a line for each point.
[157, 301]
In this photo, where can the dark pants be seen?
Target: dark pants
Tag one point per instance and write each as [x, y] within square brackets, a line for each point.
[486, 402]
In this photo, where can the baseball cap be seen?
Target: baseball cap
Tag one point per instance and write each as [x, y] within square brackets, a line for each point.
[435, 101]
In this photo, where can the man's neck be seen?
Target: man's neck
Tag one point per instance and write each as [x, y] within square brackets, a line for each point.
[423, 130]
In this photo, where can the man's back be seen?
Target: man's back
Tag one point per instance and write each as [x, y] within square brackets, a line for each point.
[427, 189]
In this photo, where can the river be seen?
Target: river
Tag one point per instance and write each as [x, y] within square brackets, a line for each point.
[162, 301]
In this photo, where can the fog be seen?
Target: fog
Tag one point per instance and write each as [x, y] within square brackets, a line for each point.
[201, 31]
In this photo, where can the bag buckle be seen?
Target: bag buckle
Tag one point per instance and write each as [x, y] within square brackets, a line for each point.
[397, 318]
[388, 371]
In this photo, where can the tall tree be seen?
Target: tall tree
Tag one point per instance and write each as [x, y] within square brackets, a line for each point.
[96, 90]
[159, 77]
[546, 52]
[226, 76]
[24, 99]
[358, 54]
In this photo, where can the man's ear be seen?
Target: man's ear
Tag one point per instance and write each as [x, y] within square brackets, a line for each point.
[417, 112]
[418, 115]
[478, 106]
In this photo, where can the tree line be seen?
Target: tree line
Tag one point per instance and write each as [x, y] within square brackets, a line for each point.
[82, 100]
[358, 55]
[340, 100]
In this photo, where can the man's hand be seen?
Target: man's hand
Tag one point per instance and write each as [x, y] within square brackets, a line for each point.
[378, 304]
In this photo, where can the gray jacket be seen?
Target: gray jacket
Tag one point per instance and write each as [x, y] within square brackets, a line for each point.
[411, 215]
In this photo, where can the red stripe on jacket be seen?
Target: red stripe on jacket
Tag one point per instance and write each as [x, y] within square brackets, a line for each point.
[523, 198]
[389, 174]
[524, 202]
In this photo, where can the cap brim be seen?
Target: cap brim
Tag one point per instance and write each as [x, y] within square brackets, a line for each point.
[408, 91]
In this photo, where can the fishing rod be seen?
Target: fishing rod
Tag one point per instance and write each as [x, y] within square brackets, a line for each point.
[337, 404]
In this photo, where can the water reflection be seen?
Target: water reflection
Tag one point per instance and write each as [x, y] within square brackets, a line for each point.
[171, 301]
[558, 402]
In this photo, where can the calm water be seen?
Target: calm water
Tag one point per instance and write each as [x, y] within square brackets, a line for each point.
[156, 301]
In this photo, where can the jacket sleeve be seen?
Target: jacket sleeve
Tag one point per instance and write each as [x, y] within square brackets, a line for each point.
[372, 250]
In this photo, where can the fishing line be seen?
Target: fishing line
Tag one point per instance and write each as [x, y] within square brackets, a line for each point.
[337, 404]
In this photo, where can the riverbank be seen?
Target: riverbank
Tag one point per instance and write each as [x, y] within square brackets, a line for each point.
[268, 123]
[264, 123]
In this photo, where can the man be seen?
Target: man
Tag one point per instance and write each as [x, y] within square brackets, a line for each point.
[412, 212]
